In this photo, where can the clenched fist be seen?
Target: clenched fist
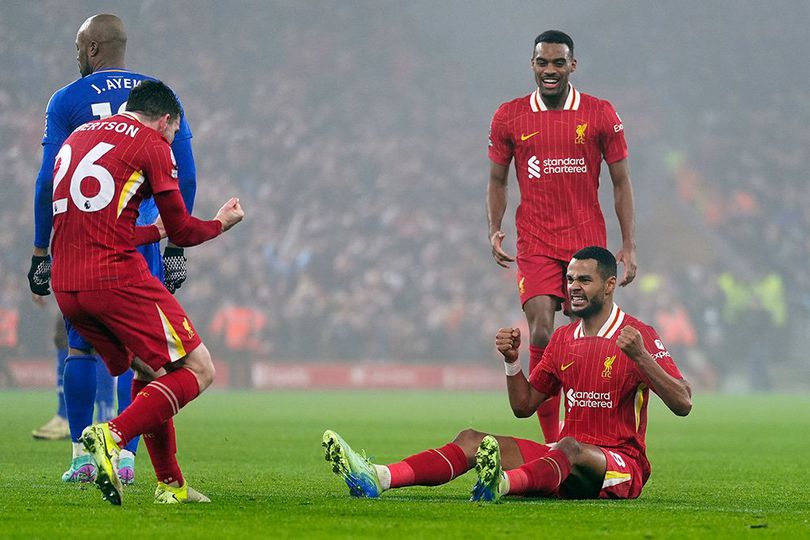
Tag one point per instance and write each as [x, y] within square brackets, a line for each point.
[631, 343]
[230, 214]
[507, 340]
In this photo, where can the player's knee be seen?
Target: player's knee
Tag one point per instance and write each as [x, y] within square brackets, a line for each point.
[569, 446]
[469, 440]
[200, 362]
[206, 373]
[211, 371]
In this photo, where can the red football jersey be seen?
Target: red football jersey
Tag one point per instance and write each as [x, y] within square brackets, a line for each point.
[557, 155]
[101, 174]
[605, 394]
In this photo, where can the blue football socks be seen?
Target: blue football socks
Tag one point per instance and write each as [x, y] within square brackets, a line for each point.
[80, 392]
[105, 388]
[124, 399]
[61, 354]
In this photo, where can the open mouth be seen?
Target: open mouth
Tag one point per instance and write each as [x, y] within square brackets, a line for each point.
[577, 300]
[550, 83]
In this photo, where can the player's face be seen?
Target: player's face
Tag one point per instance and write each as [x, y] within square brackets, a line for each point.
[587, 291]
[168, 127]
[552, 64]
[81, 55]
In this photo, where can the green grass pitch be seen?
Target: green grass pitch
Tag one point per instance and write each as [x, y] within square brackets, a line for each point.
[737, 467]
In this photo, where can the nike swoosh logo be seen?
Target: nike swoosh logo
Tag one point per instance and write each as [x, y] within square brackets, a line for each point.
[529, 136]
[566, 366]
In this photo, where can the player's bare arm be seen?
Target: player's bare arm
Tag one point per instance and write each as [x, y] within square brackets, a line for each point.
[675, 393]
[523, 398]
[625, 212]
[497, 191]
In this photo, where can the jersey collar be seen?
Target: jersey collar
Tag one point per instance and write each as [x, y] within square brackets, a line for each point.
[130, 116]
[612, 324]
[112, 70]
[571, 102]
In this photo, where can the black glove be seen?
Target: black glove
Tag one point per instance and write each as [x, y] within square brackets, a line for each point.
[39, 276]
[174, 264]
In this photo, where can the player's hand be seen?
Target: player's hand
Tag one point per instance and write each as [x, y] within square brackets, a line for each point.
[631, 343]
[230, 214]
[161, 228]
[507, 341]
[627, 256]
[39, 277]
[174, 263]
[501, 257]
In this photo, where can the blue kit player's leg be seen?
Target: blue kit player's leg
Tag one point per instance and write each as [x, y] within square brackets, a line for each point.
[80, 393]
[126, 459]
[61, 356]
[105, 390]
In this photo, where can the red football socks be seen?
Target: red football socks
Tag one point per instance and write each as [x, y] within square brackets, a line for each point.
[543, 475]
[430, 468]
[156, 403]
[549, 411]
[162, 446]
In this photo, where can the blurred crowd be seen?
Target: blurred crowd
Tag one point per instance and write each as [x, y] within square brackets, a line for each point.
[363, 169]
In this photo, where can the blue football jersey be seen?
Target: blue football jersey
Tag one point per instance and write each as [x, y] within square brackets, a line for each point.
[99, 95]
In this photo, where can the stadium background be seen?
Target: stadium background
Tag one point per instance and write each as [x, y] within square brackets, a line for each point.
[355, 134]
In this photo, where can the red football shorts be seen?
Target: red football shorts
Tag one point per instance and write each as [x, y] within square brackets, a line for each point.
[538, 275]
[624, 476]
[144, 318]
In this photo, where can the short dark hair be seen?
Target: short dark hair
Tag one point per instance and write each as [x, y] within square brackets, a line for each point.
[555, 36]
[605, 261]
[153, 99]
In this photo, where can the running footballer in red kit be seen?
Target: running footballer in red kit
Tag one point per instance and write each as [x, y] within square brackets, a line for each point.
[105, 289]
[557, 138]
[605, 364]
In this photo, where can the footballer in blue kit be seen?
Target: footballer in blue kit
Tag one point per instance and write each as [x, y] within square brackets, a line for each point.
[102, 91]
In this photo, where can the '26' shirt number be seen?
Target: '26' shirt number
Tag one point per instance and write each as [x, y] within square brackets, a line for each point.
[87, 168]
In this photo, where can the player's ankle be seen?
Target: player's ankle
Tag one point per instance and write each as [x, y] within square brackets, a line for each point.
[384, 476]
[79, 450]
[115, 434]
[504, 484]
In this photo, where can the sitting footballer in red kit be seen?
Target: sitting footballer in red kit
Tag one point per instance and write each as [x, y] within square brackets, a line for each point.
[606, 363]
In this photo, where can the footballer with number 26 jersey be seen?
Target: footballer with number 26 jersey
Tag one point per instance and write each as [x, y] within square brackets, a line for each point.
[99, 183]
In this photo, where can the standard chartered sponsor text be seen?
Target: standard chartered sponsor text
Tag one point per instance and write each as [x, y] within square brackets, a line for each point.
[592, 400]
[564, 165]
